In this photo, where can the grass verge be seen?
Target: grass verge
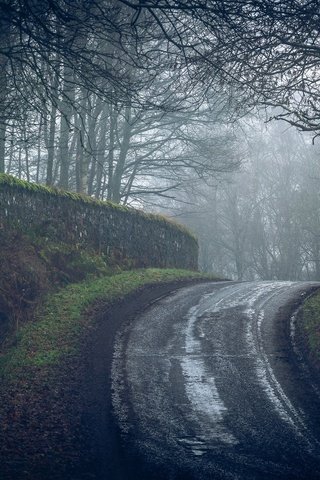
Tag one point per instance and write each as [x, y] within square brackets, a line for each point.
[47, 431]
[62, 320]
[310, 328]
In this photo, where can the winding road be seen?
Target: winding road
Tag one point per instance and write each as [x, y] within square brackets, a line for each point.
[208, 383]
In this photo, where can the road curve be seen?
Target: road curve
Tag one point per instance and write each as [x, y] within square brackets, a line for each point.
[208, 384]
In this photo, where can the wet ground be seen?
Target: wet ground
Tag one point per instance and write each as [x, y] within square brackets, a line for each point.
[209, 383]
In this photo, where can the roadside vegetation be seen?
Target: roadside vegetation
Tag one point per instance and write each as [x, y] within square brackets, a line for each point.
[50, 298]
[310, 329]
[33, 266]
[46, 289]
[62, 320]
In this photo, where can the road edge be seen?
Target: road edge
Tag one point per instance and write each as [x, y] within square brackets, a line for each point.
[49, 416]
[308, 331]
[107, 455]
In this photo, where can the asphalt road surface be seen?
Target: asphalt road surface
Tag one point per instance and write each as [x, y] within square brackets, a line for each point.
[208, 383]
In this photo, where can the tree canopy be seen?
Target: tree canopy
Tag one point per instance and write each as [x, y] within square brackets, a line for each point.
[79, 79]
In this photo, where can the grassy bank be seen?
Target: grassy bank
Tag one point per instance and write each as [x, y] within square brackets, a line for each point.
[310, 328]
[63, 319]
[33, 266]
[46, 428]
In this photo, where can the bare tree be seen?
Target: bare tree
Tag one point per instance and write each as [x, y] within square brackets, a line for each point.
[268, 50]
[263, 221]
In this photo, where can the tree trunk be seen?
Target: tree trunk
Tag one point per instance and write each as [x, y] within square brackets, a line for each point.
[113, 123]
[79, 162]
[50, 145]
[39, 149]
[26, 151]
[91, 150]
[4, 33]
[118, 173]
[66, 109]
[11, 150]
[101, 151]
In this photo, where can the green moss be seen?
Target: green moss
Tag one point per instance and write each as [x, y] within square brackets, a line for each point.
[75, 263]
[62, 321]
[13, 182]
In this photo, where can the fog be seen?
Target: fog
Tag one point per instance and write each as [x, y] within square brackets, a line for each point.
[262, 221]
[206, 111]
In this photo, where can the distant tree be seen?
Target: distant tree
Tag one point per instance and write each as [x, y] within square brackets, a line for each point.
[262, 221]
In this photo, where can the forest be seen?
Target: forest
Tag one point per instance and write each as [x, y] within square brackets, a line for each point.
[207, 111]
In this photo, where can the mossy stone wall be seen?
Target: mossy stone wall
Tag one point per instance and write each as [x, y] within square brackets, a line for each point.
[147, 240]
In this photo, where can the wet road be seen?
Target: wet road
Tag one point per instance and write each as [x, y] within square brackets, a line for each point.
[208, 384]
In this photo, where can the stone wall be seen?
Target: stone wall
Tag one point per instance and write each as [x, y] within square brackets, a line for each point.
[148, 240]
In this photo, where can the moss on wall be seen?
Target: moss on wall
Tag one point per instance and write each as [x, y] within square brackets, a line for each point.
[114, 230]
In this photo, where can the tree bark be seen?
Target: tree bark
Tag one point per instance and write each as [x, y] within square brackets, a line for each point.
[66, 109]
[4, 35]
[91, 150]
[102, 144]
[113, 123]
[118, 172]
